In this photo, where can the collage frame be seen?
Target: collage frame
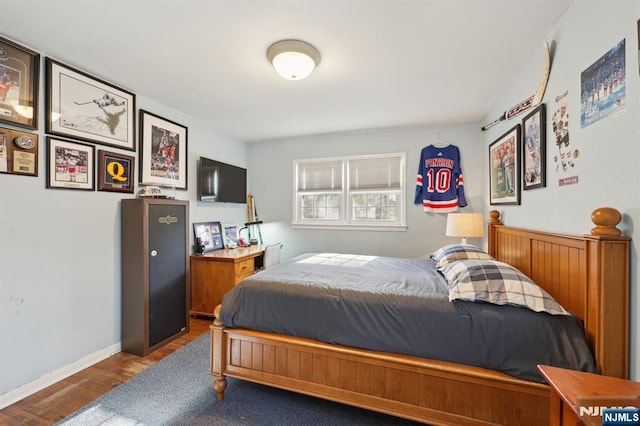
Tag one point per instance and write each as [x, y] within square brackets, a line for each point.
[210, 235]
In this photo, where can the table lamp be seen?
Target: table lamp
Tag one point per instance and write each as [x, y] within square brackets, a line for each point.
[464, 225]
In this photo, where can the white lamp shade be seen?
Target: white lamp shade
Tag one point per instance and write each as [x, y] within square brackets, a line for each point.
[465, 225]
[293, 59]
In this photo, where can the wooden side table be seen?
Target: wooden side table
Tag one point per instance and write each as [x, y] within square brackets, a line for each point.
[577, 397]
[215, 273]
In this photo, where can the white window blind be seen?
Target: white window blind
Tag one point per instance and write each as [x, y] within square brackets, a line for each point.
[320, 175]
[359, 192]
[375, 173]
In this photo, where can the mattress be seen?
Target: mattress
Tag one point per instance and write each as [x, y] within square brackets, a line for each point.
[402, 306]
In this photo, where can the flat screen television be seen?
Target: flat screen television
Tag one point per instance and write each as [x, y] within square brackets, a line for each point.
[221, 182]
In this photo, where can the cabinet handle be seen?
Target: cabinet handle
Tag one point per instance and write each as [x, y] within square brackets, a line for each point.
[154, 253]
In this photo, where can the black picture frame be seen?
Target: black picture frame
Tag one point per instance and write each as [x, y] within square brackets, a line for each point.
[534, 142]
[18, 152]
[163, 151]
[504, 168]
[210, 235]
[115, 172]
[70, 165]
[81, 106]
[19, 84]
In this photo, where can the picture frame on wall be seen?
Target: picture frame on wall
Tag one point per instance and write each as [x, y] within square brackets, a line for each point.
[504, 167]
[163, 151]
[210, 235]
[534, 142]
[115, 172]
[81, 106]
[70, 165]
[18, 152]
[19, 80]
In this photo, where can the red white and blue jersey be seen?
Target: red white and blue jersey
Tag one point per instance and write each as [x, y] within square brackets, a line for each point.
[439, 186]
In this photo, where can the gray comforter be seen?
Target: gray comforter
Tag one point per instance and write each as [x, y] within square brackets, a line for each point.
[402, 306]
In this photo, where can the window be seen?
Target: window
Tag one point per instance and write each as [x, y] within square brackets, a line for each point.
[363, 192]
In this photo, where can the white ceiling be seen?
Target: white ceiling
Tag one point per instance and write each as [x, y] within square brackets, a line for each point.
[385, 63]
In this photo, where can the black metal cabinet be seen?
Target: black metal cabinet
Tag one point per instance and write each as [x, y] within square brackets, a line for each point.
[155, 273]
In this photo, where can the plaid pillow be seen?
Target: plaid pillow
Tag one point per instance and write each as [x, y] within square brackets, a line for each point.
[498, 283]
[452, 252]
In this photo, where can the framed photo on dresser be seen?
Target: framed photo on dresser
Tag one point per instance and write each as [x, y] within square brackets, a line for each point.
[209, 235]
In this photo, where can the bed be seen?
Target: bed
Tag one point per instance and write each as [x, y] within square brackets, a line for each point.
[588, 275]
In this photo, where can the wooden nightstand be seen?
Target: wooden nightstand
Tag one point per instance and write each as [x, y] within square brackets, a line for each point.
[215, 273]
[572, 390]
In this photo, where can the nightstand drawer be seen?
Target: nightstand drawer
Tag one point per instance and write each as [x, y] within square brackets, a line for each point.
[244, 268]
[215, 273]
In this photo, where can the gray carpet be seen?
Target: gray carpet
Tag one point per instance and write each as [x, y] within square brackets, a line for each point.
[178, 390]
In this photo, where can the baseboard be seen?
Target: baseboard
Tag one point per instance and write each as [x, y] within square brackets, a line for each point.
[48, 379]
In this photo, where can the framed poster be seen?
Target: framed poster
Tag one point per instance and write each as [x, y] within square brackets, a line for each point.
[70, 165]
[534, 141]
[115, 172]
[81, 106]
[19, 79]
[210, 235]
[18, 152]
[163, 152]
[504, 168]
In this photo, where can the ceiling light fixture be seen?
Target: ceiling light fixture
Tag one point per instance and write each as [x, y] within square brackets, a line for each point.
[293, 59]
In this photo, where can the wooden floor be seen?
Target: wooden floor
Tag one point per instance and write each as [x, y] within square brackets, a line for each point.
[56, 402]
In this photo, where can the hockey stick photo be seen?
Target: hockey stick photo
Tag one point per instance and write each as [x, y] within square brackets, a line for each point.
[532, 100]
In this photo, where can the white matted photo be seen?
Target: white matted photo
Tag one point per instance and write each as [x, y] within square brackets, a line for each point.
[163, 152]
[70, 165]
[81, 106]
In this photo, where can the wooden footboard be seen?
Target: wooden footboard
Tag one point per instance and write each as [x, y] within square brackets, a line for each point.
[439, 393]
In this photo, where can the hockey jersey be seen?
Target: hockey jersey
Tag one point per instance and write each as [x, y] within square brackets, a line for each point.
[439, 186]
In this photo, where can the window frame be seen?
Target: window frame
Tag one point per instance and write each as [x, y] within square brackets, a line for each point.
[346, 220]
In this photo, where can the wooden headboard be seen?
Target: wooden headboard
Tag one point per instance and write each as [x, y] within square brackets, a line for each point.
[588, 275]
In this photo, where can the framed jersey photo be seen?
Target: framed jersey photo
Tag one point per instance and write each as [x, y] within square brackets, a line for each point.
[504, 166]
